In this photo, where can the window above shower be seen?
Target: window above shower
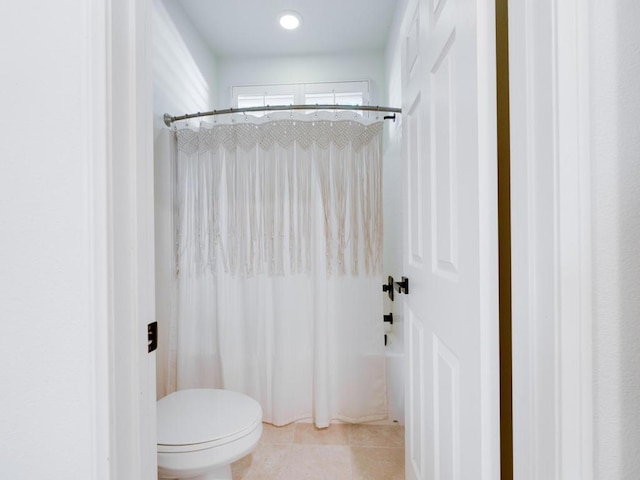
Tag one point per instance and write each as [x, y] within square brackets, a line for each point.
[343, 93]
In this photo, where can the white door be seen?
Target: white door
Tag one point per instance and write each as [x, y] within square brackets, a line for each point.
[450, 244]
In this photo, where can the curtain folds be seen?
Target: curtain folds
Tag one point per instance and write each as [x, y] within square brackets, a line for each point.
[278, 264]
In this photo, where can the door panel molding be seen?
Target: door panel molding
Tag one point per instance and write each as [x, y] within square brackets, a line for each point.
[444, 182]
[416, 409]
[446, 418]
[413, 123]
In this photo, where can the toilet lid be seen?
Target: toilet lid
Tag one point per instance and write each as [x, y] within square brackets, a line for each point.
[189, 417]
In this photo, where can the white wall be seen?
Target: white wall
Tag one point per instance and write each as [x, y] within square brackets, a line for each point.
[184, 68]
[615, 133]
[184, 81]
[47, 364]
[302, 69]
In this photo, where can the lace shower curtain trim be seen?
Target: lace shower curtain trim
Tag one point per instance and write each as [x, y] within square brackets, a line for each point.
[245, 189]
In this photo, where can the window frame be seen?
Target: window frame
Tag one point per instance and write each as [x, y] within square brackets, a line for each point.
[301, 90]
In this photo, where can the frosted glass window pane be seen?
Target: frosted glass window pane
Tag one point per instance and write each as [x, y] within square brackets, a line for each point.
[333, 99]
[319, 98]
[250, 101]
[246, 101]
[349, 98]
[278, 100]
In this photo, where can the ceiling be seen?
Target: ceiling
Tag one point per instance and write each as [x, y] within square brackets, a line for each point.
[250, 27]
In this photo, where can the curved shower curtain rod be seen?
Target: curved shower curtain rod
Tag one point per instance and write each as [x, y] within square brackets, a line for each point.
[169, 119]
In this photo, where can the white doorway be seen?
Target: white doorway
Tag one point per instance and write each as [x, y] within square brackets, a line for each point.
[452, 381]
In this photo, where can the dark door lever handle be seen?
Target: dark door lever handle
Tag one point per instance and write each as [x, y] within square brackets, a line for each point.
[388, 287]
[403, 286]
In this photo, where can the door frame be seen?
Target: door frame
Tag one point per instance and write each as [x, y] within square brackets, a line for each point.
[571, 365]
[120, 184]
[551, 231]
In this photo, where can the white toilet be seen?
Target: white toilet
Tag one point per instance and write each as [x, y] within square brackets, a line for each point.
[202, 431]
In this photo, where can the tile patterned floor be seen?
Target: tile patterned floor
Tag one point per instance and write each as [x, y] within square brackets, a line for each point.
[341, 452]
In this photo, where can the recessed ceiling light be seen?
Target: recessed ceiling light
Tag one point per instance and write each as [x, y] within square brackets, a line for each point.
[290, 20]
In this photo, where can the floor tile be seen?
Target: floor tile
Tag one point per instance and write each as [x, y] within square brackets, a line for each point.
[335, 434]
[377, 463]
[341, 452]
[279, 435]
[240, 468]
[386, 436]
[264, 463]
[317, 462]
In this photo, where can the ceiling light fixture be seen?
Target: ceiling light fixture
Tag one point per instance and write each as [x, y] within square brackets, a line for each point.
[290, 20]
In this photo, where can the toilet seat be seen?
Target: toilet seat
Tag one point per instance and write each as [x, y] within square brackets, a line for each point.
[200, 419]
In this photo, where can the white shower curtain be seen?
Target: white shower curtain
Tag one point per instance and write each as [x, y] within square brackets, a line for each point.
[278, 258]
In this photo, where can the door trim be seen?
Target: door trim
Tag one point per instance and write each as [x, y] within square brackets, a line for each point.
[95, 98]
[574, 243]
[550, 194]
[120, 184]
